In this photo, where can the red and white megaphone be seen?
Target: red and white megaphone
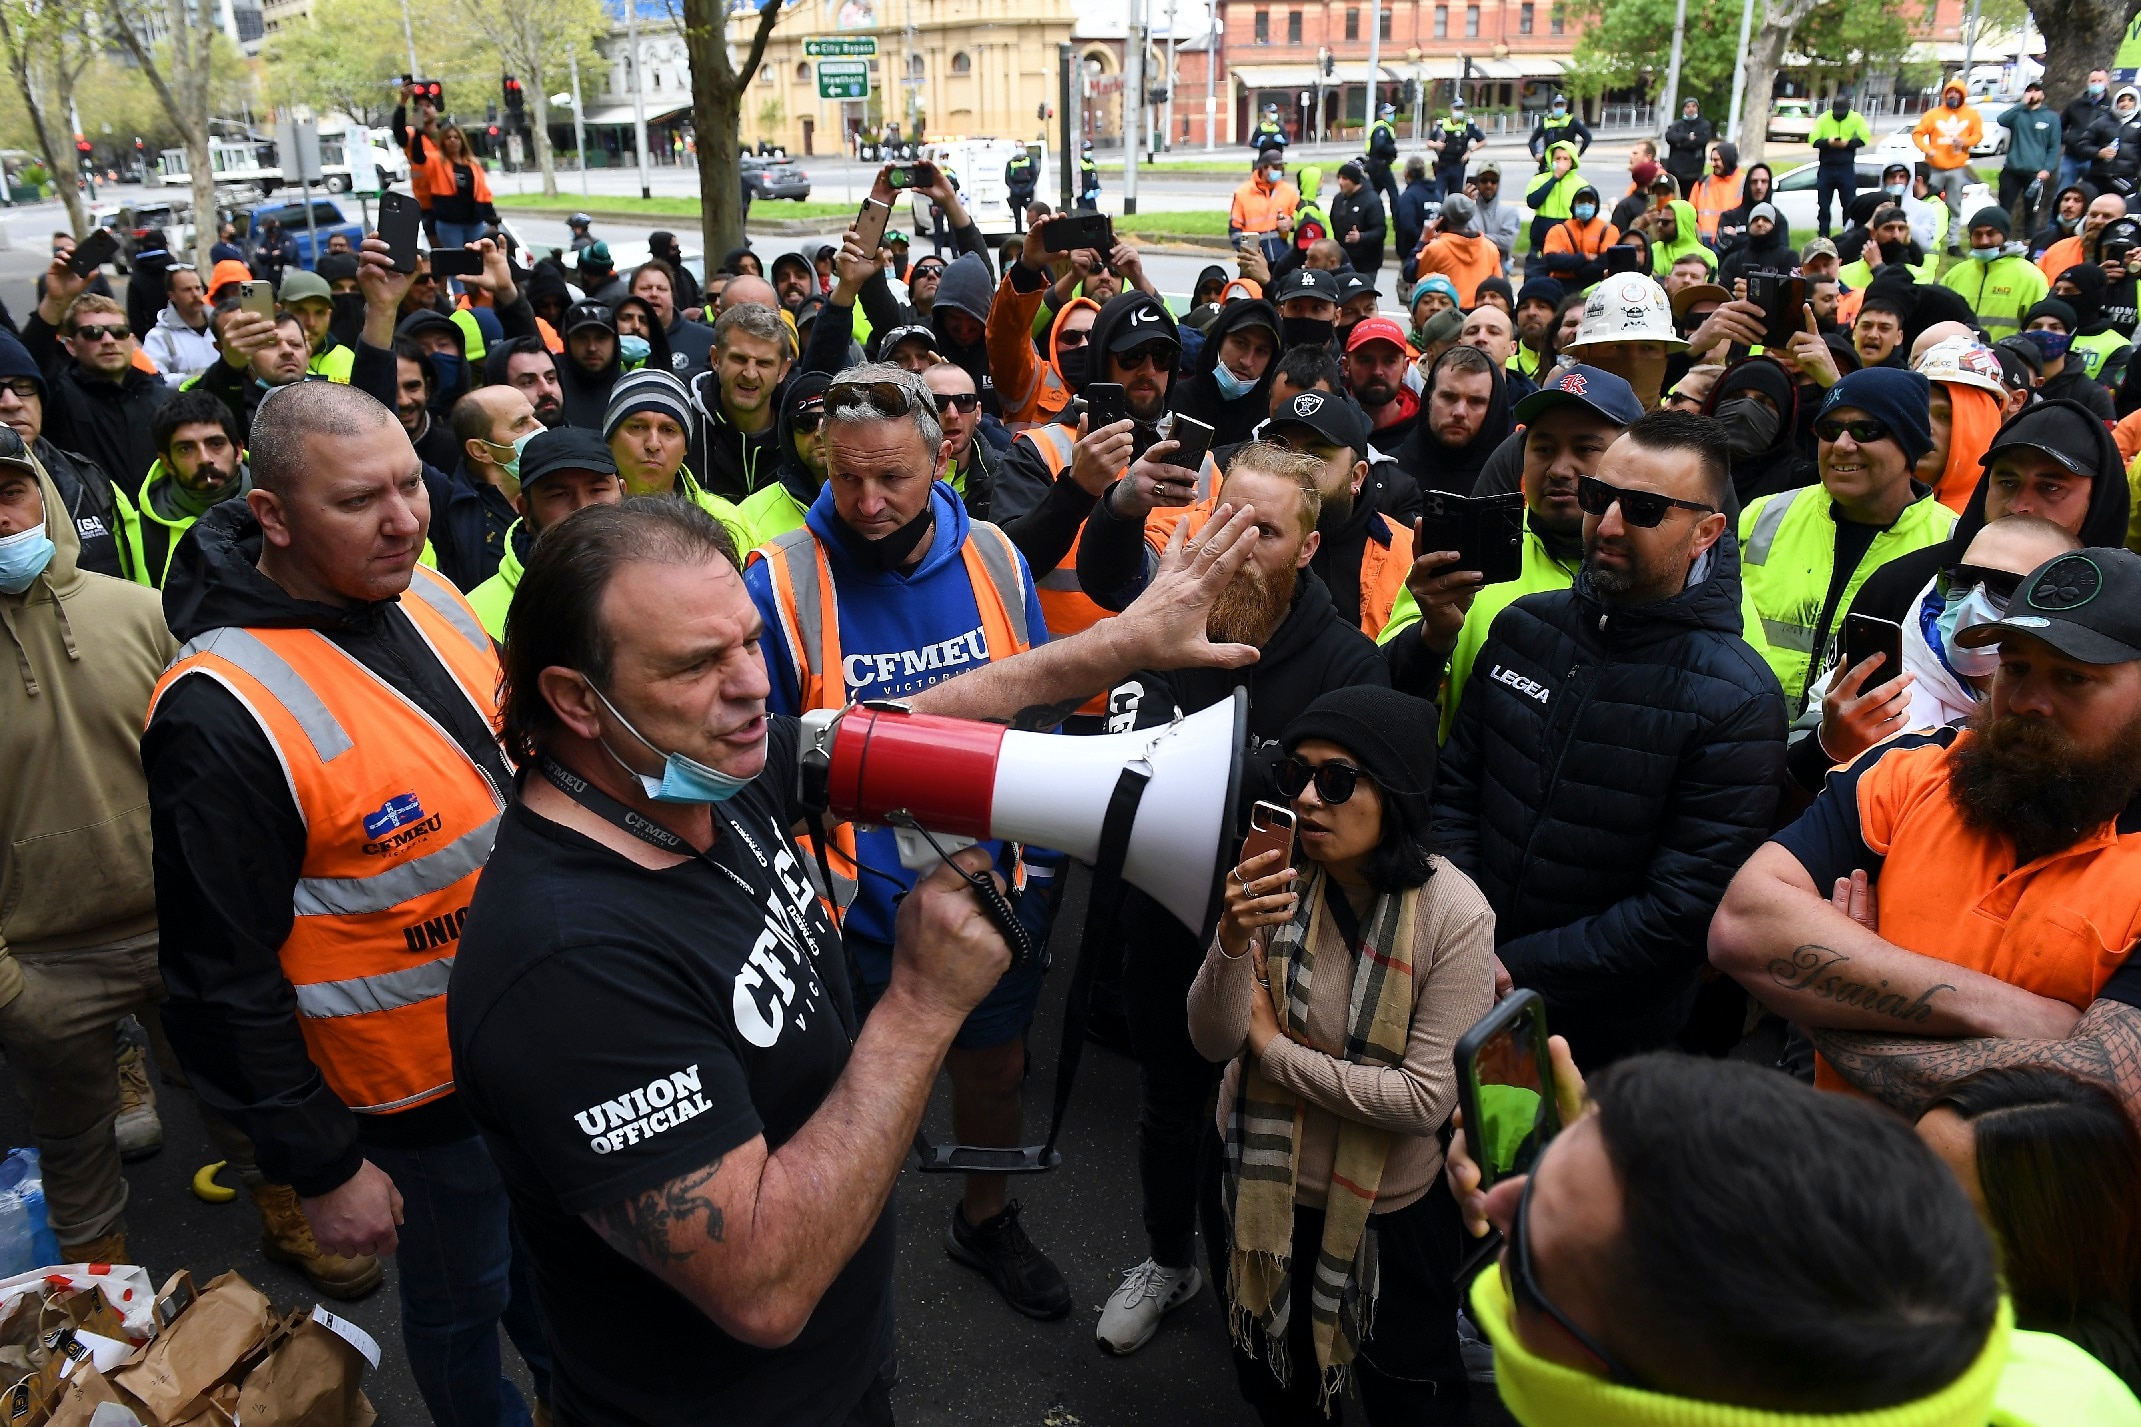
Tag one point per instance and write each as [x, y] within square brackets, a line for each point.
[869, 763]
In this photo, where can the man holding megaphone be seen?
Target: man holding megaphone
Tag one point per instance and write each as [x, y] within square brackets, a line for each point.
[651, 1014]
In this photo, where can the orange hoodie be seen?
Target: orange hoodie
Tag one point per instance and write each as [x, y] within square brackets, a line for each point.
[1974, 419]
[1466, 259]
[1945, 136]
[1029, 391]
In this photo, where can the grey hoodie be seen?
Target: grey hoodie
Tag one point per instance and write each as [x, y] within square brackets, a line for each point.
[179, 351]
[1498, 222]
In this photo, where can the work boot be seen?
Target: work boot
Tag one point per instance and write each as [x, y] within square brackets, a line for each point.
[286, 1238]
[139, 1130]
[1000, 1251]
[107, 1249]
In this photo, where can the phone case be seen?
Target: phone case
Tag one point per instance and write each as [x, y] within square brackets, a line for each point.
[1513, 1008]
[1865, 636]
[1487, 531]
[1196, 439]
[400, 220]
[1105, 404]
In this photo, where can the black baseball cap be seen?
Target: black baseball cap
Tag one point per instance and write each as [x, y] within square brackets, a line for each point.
[1591, 387]
[1307, 282]
[2061, 432]
[565, 448]
[1352, 285]
[1142, 323]
[590, 314]
[2085, 603]
[1331, 416]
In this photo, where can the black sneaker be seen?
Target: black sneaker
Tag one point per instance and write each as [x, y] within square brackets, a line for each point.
[1000, 1251]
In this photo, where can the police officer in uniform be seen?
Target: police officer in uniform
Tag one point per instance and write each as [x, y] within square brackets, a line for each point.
[1557, 124]
[1020, 175]
[1455, 138]
[1269, 132]
[1088, 179]
[1382, 153]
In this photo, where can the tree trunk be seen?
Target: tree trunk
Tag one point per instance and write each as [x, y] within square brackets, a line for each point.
[54, 146]
[717, 95]
[2079, 35]
[1765, 52]
[68, 171]
[204, 197]
[544, 158]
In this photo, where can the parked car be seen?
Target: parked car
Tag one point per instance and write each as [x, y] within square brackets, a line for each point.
[1791, 122]
[775, 177]
[1796, 195]
[133, 223]
[327, 217]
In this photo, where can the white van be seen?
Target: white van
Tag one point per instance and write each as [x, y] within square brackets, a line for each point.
[979, 166]
[361, 158]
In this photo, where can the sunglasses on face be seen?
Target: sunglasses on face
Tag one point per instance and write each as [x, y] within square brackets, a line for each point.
[1071, 339]
[1158, 355]
[965, 401]
[887, 399]
[1642, 509]
[1524, 1287]
[808, 420]
[1334, 782]
[2000, 584]
[99, 332]
[1863, 432]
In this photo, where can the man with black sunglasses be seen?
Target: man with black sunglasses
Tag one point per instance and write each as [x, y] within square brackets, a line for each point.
[969, 464]
[1806, 552]
[97, 401]
[1616, 752]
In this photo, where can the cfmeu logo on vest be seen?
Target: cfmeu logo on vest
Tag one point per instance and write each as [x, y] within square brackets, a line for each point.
[397, 823]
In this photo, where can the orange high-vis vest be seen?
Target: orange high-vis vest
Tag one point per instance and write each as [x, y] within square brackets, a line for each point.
[1064, 603]
[399, 821]
[809, 608]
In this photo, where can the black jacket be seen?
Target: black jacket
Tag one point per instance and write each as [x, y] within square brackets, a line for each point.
[224, 902]
[104, 420]
[2085, 126]
[734, 464]
[1435, 466]
[1608, 772]
[1362, 209]
[87, 492]
[1195, 394]
[1687, 145]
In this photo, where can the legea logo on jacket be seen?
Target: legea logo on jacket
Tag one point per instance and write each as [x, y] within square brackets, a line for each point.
[1529, 688]
[396, 823]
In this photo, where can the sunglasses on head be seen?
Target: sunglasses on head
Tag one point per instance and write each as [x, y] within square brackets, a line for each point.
[1159, 355]
[1334, 782]
[963, 400]
[884, 398]
[2000, 584]
[1642, 509]
[1863, 432]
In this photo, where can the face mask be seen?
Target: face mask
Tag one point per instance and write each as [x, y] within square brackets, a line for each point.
[1073, 366]
[1840, 108]
[520, 445]
[633, 347]
[1895, 252]
[1306, 331]
[1750, 426]
[1966, 608]
[23, 557]
[1986, 255]
[683, 780]
[1560, 108]
[1231, 387]
[1585, 212]
[1344, 330]
[2052, 344]
[1895, 190]
[1953, 101]
[447, 367]
[2096, 91]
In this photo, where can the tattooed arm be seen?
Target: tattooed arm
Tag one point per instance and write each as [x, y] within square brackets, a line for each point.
[755, 1238]
[1164, 629]
[1783, 940]
[1907, 1072]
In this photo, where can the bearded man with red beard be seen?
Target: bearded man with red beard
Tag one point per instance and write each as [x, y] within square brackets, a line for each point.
[1980, 882]
[1277, 603]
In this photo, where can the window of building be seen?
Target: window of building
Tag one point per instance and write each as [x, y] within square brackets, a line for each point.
[1352, 24]
[1471, 22]
[1524, 19]
[915, 68]
[802, 71]
[1263, 27]
[1293, 27]
[1553, 22]
[1384, 28]
[1442, 22]
[962, 63]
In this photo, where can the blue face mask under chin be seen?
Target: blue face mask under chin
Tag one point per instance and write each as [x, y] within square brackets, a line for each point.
[633, 347]
[683, 780]
[1232, 387]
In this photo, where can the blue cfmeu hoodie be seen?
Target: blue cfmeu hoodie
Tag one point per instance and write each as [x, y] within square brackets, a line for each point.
[899, 634]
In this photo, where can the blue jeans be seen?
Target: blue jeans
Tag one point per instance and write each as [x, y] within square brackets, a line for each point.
[462, 1272]
[2070, 168]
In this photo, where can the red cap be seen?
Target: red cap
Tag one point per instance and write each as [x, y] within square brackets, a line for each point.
[1377, 329]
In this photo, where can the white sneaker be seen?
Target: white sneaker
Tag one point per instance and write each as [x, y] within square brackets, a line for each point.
[1147, 1294]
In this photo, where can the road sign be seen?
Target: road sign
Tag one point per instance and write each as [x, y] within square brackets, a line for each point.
[843, 79]
[864, 46]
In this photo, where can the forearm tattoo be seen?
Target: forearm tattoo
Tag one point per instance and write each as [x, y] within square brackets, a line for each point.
[654, 1228]
[1039, 718]
[1908, 1073]
[1818, 970]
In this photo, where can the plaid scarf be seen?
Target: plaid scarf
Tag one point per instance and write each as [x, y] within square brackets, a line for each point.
[1264, 1144]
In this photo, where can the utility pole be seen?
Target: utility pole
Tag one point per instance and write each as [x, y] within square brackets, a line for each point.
[1211, 80]
[1970, 42]
[1070, 122]
[1167, 114]
[1669, 108]
[639, 94]
[1739, 74]
[409, 33]
[1133, 102]
[1375, 64]
[579, 128]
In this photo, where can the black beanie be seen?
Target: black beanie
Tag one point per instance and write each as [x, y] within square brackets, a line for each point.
[1392, 737]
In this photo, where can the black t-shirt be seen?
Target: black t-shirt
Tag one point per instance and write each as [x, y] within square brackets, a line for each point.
[615, 1027]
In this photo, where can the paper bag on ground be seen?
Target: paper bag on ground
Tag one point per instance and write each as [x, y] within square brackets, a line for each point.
[85, 1392]
[203, 1345]
[309, 1380]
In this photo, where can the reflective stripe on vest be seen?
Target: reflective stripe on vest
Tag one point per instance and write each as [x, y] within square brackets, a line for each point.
[397, 829]
[1766, 525]
[802, 597]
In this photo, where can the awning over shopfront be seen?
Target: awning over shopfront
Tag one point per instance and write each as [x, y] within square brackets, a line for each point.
[622, 114]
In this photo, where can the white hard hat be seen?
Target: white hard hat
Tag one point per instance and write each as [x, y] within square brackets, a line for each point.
[1963, 362]
[1627, 307]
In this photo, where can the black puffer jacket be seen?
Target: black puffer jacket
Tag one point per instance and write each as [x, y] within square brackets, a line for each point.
[1608, 772]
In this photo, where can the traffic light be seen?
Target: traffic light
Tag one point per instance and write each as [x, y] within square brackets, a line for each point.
[516, 102]
[428, 90]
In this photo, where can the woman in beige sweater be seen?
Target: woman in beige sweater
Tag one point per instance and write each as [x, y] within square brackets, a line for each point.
[1337, 992]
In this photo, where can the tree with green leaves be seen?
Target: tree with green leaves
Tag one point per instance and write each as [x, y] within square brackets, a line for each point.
[1623, 45]
[717, 91]
[530, 39]
[182, 71]
[341, 58]
[47, 45]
